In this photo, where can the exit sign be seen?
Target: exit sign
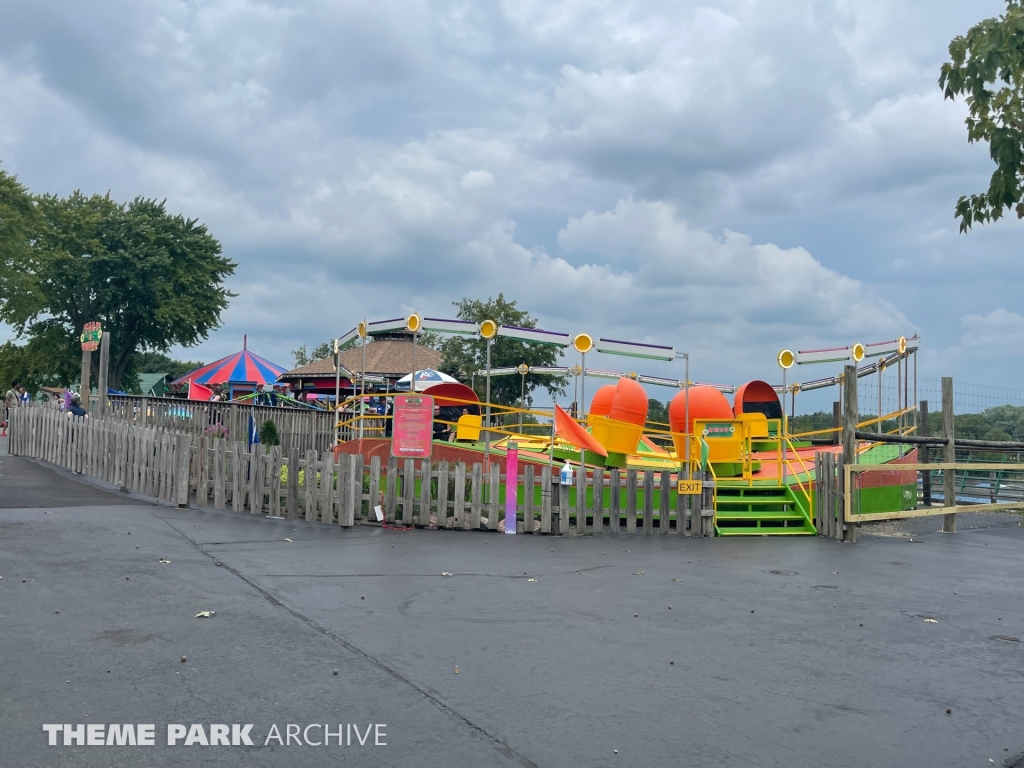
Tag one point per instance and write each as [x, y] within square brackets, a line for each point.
[690, 487]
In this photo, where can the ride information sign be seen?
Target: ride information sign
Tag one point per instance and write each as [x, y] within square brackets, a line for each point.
[91, 335]
[413, 430]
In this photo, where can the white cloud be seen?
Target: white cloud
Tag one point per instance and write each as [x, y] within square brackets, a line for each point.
[596, 160]
[1000, 331]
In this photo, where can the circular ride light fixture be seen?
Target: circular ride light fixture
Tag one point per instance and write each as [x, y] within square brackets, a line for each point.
[583, 343]
[414, 322]
[361, 330]
[786, 359]
[857, 352]
[488, 329]
[523, 369]
[901, 345]
[336, 347]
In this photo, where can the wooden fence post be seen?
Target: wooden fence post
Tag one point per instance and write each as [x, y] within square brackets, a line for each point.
[476, 491]
[494, 512]
[648, 502]
[442, 495]
[391, 490]
[665, 503]
[581, 500]
[459, 500]
[218, 473]
[563, 507]
[327, 490]
[631, 501]
[408, 491]
[309, 486]
[275, 481]
[614, 501]
[293, 483]
[425, 483]
[924, 456]
[545, 499]
[529, 483]
[850, 408]
[344, 487]
[948, 455]
[181, 480]
[598, 498]
[374, 494]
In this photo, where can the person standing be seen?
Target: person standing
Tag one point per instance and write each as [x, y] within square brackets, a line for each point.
[11, 400]
[76, 409]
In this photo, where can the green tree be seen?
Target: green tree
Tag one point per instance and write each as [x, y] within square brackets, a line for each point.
[657, 413]
[151, 278]
[987, 68]
[326, 349]
[302, 357]
[462, 357]
[157, 362]
[812, 422]
[268, 433]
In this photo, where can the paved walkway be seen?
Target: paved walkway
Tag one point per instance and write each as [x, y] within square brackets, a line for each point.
[795, 652]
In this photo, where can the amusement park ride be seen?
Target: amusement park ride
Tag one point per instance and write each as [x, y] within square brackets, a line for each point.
[762, 474]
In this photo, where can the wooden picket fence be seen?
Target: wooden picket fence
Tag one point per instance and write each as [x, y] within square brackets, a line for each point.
[343, 490]
[298, 428]
[828, 498]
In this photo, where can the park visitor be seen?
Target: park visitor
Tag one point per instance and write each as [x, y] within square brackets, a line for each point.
[76, 409]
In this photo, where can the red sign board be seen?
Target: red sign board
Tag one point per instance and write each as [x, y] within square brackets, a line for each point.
[413, 430]
[91, 335]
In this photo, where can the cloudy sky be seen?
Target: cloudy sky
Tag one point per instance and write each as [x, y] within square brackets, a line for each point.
[728, 176]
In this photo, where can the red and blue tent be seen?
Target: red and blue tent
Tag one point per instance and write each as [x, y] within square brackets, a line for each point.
[242, 368]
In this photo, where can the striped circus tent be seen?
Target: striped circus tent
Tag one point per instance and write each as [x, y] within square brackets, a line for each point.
[240, 368]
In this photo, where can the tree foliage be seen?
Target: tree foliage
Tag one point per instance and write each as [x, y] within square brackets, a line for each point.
[157, 362]
[324, 350]
[999, 423]
[987, 68]
[268, 433]
[321, 351]
[153, 279]
[462, 357]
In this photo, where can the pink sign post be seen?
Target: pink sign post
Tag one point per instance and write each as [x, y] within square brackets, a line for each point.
[511, 483]
[413, 432]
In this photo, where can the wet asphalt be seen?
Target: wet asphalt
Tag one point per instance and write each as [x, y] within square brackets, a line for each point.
[728, 652]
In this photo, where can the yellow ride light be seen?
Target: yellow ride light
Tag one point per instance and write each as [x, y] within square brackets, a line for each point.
[583, 343]
[414, 322]
[786, 359]
[361, 329]
[858, 352]
[902, 345]
[488, 329]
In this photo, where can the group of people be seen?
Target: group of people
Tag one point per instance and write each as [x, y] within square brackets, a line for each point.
[442, 421]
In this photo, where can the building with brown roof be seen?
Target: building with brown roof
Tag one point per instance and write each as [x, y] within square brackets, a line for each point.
[388, 358]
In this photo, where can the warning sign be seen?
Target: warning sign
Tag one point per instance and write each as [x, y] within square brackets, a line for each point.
[412, 434]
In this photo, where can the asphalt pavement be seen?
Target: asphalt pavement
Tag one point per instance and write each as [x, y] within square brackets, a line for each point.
[569, 651]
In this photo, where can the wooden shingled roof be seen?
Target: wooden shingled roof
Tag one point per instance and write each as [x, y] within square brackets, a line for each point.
[389, 358]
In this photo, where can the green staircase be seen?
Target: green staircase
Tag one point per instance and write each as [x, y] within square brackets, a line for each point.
[762, 510]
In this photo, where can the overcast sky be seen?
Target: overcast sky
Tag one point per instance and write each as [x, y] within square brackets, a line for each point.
[728, 176]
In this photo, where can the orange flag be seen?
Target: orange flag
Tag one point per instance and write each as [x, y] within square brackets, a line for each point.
[567, 429]
[198, 391]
